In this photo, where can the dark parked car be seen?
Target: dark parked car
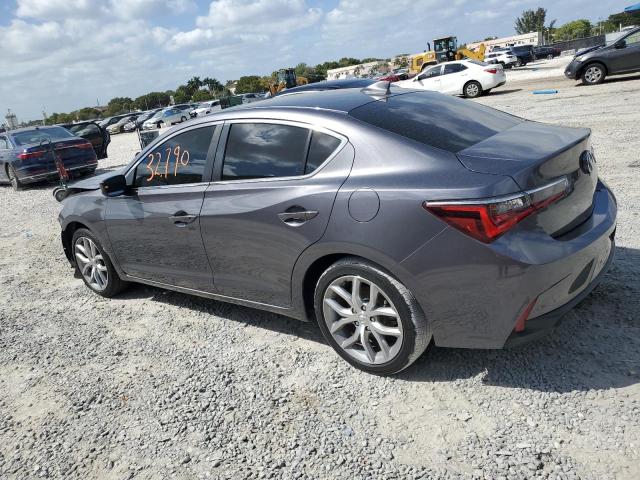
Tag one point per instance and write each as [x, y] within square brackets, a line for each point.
[523, 53]
[546, 52]
[94, 133]
[369, 211]
[107, 122]
[331, 85]
[622, 56]
[26, 157]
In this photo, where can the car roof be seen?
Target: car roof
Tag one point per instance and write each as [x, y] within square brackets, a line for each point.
[29, 129]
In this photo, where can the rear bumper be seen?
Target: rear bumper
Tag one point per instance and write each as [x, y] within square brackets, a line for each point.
[38, 176]
[539, 327]
[474, 293]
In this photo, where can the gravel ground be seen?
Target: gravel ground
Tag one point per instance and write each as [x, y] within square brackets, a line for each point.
[157, 385]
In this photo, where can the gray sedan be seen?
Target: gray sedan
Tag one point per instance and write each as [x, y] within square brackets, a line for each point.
[392, 217]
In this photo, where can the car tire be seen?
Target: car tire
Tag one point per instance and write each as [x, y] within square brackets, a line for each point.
[519, 63]
[15, 182]
[379, 344]
[550, 57]
[97, 271]
[593, 74]
[472, 89]
[183, 119]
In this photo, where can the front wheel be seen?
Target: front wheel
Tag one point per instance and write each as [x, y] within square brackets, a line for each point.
[593, 74]
[183, 119]
[94, 265]
[16, 184]
[472, 89]
[369, 318]
[550, 57]
[519, 63]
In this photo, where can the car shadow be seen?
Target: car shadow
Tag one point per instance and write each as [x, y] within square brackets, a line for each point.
[597, 344]
[504, 92]
[614, 79]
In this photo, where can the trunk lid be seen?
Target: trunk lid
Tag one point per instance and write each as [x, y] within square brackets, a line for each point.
[535, 154]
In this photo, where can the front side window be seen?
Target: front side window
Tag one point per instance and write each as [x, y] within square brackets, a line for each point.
[433, 72]
[179, 160]
[635, 38]
[262, 150]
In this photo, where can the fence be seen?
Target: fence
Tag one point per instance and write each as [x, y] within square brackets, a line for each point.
[579, 43]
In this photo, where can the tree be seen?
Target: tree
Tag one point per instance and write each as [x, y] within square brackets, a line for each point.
[624, 19]
[183, 94]
[194, 84]
[248, 84]
[152, 100]
[202, 96]
[119, 105]
[213, 85]
[576, 29]
[531, 21]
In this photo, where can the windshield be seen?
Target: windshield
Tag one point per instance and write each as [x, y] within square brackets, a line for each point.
[31, 137]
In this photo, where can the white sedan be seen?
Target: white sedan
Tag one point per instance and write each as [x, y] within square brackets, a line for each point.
[470, 78]
[167, 117]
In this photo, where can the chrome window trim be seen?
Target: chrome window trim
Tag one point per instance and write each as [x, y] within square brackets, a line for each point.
[309, 126]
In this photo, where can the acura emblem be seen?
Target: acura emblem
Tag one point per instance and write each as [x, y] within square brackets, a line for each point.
[587, 161]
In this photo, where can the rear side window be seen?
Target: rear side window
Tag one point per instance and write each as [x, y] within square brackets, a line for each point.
[440, 121]
[321, 148]
[453, 68]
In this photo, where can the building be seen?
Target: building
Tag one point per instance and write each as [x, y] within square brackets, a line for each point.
[532, 38]
[11, 120]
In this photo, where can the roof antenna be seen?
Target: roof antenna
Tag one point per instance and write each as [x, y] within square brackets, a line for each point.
[378, 89]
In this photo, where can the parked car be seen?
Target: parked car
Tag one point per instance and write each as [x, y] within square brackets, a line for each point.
[523, 53]
[504, 58]
[251, 97]
[118, 127]
[470, 78]
[26, 157]
[143, 117]
[168, 116]
[205, 108]
[546, 52]
[389, 217]
[185, 106]
[622, 56]
[94, 133]
[111, 120]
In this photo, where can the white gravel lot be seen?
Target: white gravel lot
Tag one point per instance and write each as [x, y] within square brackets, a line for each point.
[155, 384]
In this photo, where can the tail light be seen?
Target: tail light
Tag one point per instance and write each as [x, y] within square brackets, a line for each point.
[488, 219]
[27, 155]
[84, 146]
[491, 70]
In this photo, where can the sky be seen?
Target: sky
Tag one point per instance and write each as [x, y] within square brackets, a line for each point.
[61, 55]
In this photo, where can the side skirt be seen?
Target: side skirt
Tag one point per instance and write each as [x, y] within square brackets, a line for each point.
[288, 312]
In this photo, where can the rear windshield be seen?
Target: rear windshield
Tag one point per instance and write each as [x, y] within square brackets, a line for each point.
[437, 120]
[36, 136]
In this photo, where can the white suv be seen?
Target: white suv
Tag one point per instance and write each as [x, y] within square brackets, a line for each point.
[504, 57]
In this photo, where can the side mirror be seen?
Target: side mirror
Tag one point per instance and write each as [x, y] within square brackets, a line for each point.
[621, 44]
[114, 186]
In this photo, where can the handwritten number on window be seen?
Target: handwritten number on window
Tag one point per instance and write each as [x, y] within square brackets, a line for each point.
[158, 168]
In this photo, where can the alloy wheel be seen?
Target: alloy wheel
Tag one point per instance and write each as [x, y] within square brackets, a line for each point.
[91, 264]
[593, 74]
[472, 90]
[362, 320]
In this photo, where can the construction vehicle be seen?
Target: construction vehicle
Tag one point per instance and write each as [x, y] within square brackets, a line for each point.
[444, 50]
[286, 78]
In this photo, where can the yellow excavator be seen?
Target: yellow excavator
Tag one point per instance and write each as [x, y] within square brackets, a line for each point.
[444, 50]
[286, 78]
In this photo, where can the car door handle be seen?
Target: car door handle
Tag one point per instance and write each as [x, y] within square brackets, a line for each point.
[296, 216]
[181, 219]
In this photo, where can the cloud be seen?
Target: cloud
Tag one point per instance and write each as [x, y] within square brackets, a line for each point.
[49, 10]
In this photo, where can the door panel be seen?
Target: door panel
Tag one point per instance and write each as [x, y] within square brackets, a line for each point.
[155, 232]
[627, 58]
[150, 244]
[252, 247]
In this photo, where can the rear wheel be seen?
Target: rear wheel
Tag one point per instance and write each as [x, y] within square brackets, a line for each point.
[593, 74]
[94, 265]
[519, 63]
[550, 57]
[369, 318]
[472, 89]
[13, 178]
[183, 119]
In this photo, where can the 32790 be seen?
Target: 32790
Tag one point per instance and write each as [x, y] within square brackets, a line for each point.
[162, 168]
